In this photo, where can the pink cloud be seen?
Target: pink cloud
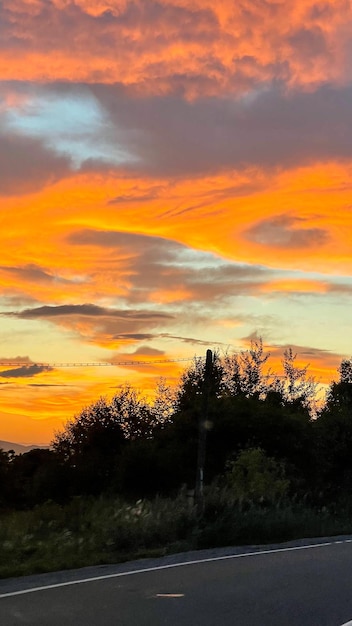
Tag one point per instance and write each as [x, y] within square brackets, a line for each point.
[192, 46]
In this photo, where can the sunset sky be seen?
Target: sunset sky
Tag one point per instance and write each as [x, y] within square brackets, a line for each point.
[174, 175]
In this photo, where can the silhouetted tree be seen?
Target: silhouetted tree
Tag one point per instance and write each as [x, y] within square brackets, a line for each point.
[299, 389]
[164, 405]
[133, 413]
[333, 431]
[243, 372]
[252, 361]
[37, 476]
[90, 444]
[345, 371]
[5, 482]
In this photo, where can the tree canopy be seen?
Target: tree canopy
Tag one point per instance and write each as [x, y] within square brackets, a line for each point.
[136, 447]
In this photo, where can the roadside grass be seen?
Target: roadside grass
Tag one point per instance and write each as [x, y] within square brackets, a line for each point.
[92, 531]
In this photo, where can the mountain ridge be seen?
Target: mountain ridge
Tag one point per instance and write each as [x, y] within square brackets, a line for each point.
[18, 448]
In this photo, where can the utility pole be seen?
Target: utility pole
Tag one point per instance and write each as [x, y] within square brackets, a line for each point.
[202, 430]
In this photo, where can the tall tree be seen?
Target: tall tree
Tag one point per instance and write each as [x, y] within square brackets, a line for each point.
[90, 444]
[243, 372]
[333, 432]
[6, 495]
[95, 427]
[298, 389]
[133, 413]
[252, 362]
[164, 405]
[345, 371]
[190, 391]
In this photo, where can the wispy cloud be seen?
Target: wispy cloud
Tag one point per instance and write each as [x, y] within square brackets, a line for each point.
[34, 273]
[165, 271]
[90, 310]
[173, 174]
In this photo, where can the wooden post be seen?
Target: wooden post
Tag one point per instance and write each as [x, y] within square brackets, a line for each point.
[202, 431]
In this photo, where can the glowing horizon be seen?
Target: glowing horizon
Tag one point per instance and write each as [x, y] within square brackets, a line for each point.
[174, 175]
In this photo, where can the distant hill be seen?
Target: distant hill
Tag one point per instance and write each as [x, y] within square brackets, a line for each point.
[17, 447]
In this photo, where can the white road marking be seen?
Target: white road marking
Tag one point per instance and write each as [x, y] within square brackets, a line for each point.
[242, 555]
[347, 623]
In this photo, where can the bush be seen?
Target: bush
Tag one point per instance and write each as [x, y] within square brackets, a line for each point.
[255, 477]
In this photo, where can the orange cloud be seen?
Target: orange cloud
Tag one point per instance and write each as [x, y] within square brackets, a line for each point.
[167, 296]
[212, 218]
[170, 170]
[165, 46]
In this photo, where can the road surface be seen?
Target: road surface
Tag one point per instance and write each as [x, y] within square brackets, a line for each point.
[303, 584]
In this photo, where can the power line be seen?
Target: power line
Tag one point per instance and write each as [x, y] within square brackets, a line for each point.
[54, 364]
[92, 364]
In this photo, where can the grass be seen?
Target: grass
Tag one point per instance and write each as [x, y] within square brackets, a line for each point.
[91, 531]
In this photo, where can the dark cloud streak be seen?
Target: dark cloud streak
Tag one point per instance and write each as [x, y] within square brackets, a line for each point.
[89, 310]
[33, 273]
[27, 371]
[158, 264]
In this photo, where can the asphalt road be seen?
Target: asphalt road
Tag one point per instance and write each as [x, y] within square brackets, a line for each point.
[291, 585]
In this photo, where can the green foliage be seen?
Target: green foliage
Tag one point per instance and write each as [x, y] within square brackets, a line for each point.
[255, 477]
[226, 523]
[92, 531]
[241, 423]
